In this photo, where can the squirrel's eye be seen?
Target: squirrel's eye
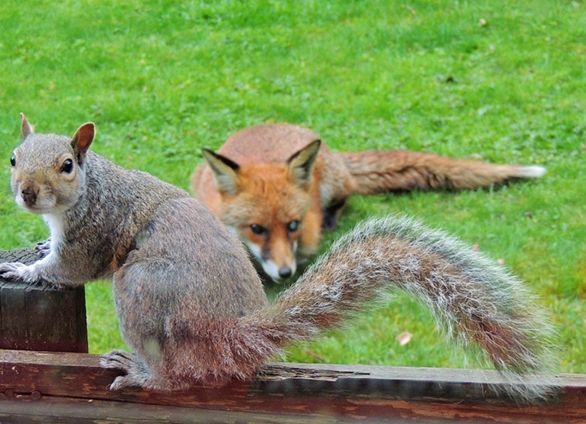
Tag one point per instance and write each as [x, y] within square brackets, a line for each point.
[67, 166]
[292, 226]
[13, 160]
[258, 229]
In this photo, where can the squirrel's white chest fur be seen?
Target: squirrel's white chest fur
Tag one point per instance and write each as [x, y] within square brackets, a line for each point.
[57, 227]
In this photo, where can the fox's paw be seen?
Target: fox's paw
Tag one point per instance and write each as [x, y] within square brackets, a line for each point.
[16, 271]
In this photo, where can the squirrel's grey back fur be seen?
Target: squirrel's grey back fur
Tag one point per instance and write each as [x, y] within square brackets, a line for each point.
[190, 303]
[117, 213]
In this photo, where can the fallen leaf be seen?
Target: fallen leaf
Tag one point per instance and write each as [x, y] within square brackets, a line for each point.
[404, 338]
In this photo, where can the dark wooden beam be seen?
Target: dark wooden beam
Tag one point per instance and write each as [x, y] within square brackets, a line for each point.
[290, 391]
[40, 317]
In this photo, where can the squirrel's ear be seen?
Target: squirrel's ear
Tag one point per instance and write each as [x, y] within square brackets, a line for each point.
[301, 163]
[83, 137]
[225, 171]
[25, 129]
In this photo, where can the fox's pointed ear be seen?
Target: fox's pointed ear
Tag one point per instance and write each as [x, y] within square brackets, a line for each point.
[82, 139]
[301, 163]
[26, 129]
[225, 171]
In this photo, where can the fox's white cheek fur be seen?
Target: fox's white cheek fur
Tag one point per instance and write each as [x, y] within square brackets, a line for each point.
[254, 249]
[269, 266]
[271, 269]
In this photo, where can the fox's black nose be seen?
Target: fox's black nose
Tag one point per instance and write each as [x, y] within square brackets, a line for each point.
[285, 272]
[29, 195]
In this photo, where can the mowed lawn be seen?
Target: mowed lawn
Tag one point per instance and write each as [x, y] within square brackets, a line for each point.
[497, 80]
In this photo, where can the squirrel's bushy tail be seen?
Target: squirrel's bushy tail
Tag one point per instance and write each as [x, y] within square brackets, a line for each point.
[400, 170]
[473, 298]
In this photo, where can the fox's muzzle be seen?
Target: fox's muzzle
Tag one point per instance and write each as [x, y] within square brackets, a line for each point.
[285, 272]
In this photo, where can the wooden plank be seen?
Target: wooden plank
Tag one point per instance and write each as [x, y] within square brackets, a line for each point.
[353, 392]
[40, 317]
[73, 411]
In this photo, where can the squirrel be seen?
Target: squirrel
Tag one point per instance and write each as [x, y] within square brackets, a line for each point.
[190, 303]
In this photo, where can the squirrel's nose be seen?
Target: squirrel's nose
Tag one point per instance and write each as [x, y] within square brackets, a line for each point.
[285, 272]
[29, 195]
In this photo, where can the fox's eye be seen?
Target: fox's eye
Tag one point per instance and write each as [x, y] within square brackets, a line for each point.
[292, 226]
[67, 166]
[13, 160]
[258, 229]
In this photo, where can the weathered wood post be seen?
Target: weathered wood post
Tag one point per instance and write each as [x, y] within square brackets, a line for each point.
[40, 318]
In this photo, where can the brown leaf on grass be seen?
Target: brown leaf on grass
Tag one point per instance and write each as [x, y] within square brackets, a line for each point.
[404, 338]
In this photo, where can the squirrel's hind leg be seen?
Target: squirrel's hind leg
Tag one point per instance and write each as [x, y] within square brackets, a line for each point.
[137, 372]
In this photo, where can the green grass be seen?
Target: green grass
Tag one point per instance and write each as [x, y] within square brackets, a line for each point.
[163, 79]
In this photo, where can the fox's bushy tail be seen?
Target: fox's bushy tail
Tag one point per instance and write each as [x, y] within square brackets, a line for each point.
[473, 298]
[402, 170]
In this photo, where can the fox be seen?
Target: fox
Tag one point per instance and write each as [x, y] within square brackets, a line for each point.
[278, 186]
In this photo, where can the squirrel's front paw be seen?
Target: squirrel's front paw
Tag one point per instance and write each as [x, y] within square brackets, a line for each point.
[16, 271]
[43, 247]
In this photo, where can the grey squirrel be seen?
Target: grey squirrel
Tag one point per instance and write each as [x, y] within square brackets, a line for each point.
[189, 301]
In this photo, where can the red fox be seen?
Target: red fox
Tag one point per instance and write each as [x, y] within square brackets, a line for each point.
[277, 186]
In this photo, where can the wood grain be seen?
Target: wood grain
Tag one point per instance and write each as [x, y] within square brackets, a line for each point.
[355, 393]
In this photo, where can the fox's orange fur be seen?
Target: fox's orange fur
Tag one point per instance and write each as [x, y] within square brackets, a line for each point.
[266, 177]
